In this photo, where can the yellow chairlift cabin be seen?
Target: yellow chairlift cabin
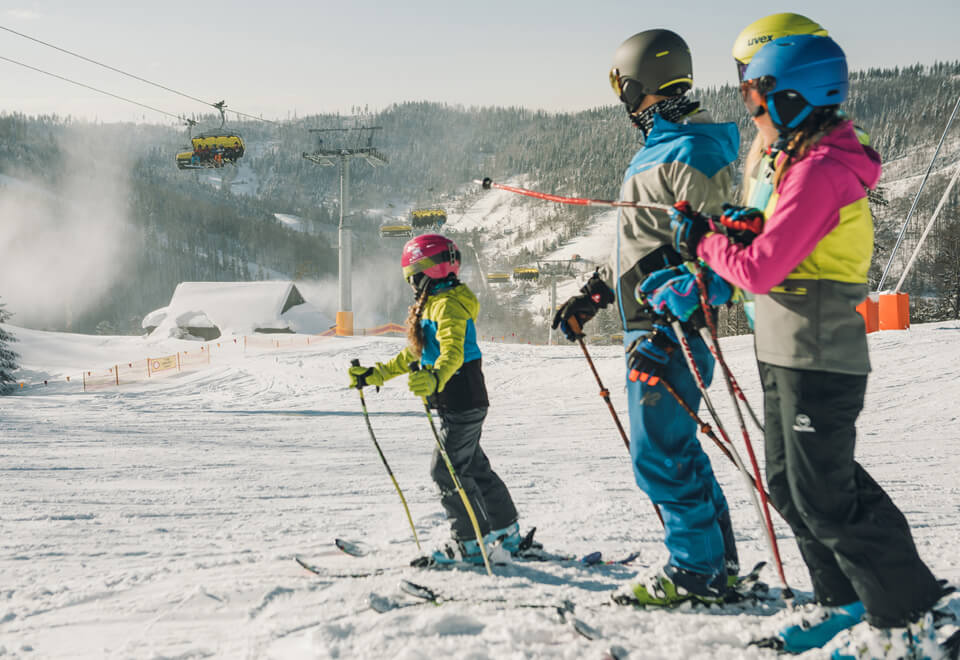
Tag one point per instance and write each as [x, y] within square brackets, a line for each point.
[213, 148]
[498, 278]
[428, 218]
[530, 274]
[396, 231]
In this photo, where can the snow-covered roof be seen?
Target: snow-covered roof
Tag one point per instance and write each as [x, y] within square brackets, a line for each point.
[237, 308]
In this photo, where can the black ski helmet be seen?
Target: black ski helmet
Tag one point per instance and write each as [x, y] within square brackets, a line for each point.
[651, 62]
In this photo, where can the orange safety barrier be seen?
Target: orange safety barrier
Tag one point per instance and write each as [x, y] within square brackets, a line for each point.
[869, 309]
[894, 311]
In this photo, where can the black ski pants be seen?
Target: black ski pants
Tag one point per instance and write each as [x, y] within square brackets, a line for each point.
[855, 541]
[460, 432]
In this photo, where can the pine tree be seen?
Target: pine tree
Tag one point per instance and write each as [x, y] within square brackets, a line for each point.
[8, 359]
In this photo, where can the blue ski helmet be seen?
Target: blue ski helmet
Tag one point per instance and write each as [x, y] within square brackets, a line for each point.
[797, 74]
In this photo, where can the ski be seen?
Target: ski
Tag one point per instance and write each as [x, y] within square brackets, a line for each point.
[427, 596]
[529, 551]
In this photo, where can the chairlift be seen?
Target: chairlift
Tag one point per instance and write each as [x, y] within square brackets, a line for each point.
[498, 278]
[528, 274]
[396, 231]
[428, 218]
[212, 149]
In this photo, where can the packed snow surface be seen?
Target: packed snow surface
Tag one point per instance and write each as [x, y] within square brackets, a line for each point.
[161, 519]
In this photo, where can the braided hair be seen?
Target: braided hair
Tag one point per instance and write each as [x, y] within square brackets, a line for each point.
[820, 123]
[415, 337]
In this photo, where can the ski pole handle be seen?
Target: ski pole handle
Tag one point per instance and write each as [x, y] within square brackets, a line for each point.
[414, 366]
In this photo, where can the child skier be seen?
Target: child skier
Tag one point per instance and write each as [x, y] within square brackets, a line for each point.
[807, 264]
[685, 155]
[442, 335]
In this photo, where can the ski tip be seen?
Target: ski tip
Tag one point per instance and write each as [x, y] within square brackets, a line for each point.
[592, 558]
[614, 653]
[351, 548]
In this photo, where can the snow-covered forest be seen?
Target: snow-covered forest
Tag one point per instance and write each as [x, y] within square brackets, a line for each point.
[149, 226]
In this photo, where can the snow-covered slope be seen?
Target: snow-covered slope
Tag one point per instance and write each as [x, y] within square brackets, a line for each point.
[160, 520]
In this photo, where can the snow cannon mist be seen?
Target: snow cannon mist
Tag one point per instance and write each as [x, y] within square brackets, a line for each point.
[65, 238]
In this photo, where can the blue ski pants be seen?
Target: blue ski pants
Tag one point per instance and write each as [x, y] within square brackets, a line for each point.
[670, 466]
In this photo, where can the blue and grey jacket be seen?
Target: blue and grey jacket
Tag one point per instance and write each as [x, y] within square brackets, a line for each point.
[690, 160]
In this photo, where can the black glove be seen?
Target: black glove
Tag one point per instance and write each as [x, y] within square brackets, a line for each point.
[594, 295]
[651, 355]
[689, 227]
[743, 223]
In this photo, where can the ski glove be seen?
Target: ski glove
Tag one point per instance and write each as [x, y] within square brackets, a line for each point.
[743, 223]
[680, 296]
[423, 382]
[594, 296]
[654, 281]
[365, 376]
[689, 228]
[651, 355]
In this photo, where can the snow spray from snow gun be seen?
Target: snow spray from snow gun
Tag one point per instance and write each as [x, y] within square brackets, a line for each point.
[366, 416]
[415, 366]
[605, 393]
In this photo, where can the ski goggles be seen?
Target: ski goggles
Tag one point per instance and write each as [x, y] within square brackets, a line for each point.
[626, 90]
[741, 69]
[756, 102]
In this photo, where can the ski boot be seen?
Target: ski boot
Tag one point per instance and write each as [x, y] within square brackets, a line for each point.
[508, 538]
[813, 626]
[915, 641]
[671, 586]
[458, 551]
[733, 572]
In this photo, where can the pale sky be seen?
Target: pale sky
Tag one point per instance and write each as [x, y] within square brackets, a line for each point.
[276, 57]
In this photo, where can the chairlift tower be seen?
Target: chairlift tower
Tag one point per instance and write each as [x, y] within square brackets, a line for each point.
[554, 269]
[345, 144]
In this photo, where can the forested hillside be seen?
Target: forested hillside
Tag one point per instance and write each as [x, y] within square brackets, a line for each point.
[178, 225]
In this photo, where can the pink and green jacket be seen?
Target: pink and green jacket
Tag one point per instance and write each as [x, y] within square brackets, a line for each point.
[809, 266]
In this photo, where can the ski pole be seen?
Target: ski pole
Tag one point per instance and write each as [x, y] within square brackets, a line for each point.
[605, 393]
[705, 428]
[366, 416]
[415, 366]
[710, 339]
[488, 183]
[701, 385]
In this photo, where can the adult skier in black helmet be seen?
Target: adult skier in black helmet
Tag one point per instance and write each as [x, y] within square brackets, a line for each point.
[685, 157]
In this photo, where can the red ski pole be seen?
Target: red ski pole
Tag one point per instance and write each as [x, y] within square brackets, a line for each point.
[488, 183]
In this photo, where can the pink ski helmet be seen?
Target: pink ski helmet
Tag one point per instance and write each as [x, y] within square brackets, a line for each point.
[433, 255]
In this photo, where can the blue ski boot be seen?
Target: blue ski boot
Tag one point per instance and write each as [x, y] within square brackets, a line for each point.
[458, 551]
[815, 625]
[508, 538]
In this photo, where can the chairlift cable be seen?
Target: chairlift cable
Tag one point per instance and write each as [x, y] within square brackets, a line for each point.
[100, 91]
[125, 73]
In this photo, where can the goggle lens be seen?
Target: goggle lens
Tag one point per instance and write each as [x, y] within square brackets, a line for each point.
[741, 69]
[620, 84]
[615, 82]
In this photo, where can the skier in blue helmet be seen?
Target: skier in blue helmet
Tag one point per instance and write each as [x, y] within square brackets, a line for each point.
[807, 261]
